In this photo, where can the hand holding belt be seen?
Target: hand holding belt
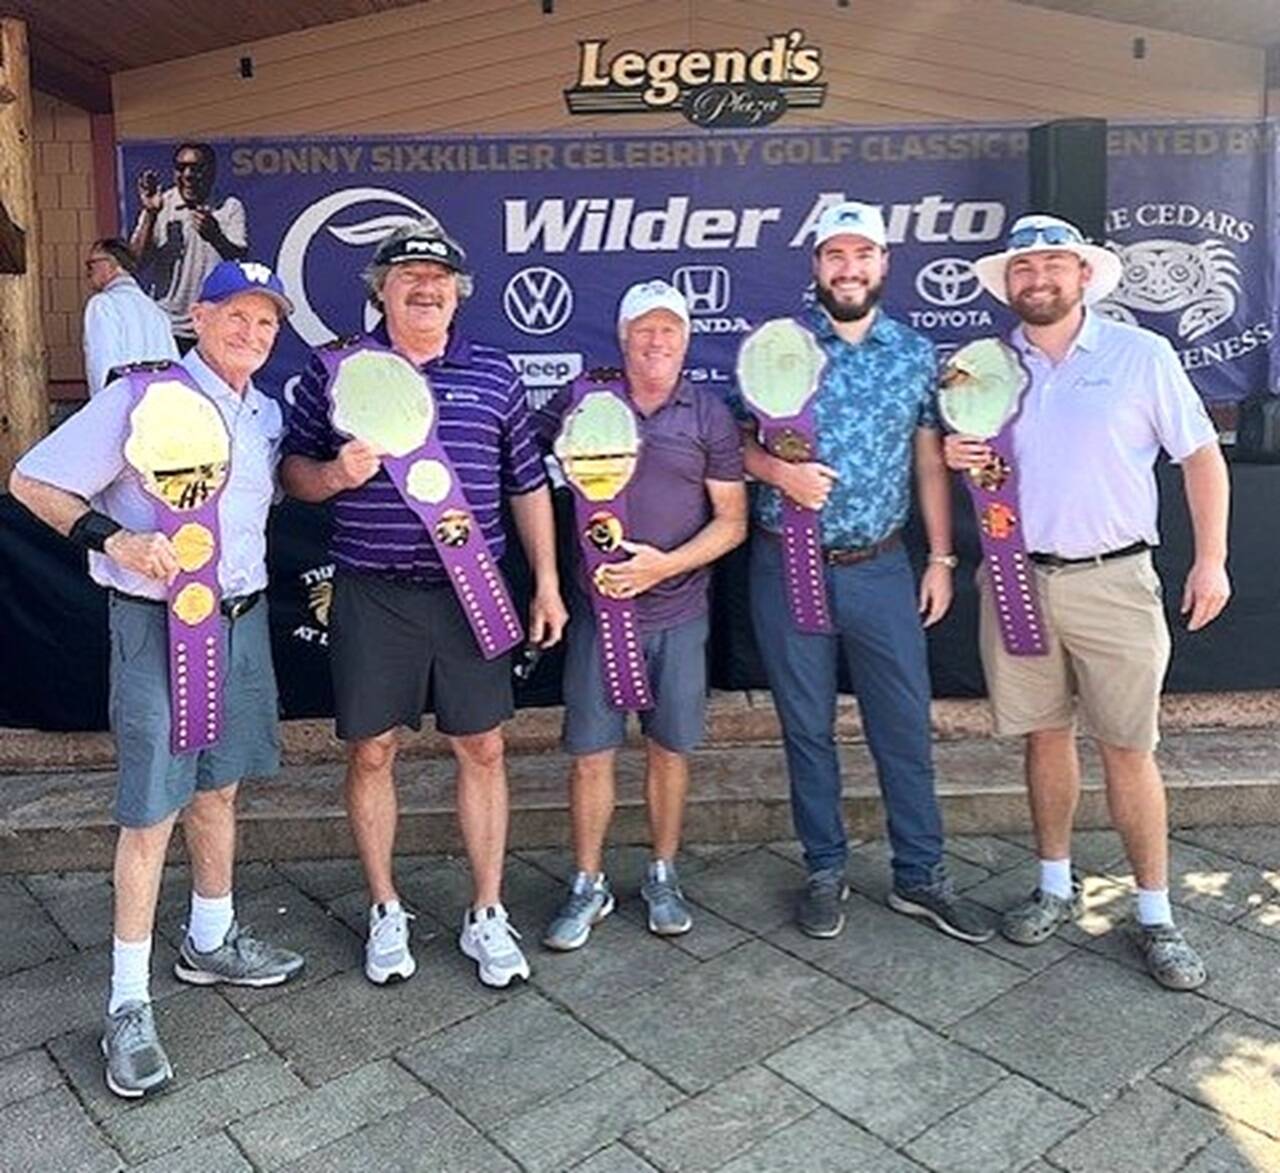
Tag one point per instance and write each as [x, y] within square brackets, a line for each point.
[598, 448]
[180, 448]
[981, 393]
[378, 396]
[780, 368]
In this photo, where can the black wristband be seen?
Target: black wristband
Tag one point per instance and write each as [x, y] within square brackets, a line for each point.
[92, 530]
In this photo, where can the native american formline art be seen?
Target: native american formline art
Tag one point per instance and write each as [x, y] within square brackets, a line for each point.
[1202, 279]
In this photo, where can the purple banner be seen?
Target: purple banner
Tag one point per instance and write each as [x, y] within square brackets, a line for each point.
[557, 226]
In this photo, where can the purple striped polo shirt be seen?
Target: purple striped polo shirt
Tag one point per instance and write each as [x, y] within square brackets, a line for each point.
[485, 426]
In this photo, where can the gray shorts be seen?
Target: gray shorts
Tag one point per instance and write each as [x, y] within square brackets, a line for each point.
[153, 782]
[676, 659]
[395, 647]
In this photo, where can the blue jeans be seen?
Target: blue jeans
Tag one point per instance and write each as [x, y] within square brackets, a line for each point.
[880, 636]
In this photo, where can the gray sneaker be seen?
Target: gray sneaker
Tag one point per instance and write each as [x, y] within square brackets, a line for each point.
[241, 960]
[948, 913]
[819, 913]
[136, 1062]
[1170, 959]
[668, 913]
[1037, 919]
[589, 901]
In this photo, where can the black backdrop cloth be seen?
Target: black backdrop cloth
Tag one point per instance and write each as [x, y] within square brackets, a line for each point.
[53, 648]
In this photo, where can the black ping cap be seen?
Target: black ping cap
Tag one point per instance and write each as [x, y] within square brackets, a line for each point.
[420, 246]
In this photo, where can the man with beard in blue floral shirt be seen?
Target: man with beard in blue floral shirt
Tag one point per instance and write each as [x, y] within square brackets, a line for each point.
[874, 413]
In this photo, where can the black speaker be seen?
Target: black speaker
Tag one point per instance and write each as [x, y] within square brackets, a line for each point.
[1069, 172]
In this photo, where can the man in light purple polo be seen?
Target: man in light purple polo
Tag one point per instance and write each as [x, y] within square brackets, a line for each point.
[78, 481]
[1104, 399]
[398, 635]
[686, 506]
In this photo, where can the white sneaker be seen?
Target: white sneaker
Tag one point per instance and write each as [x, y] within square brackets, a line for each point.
[386, 952]
[490, 941]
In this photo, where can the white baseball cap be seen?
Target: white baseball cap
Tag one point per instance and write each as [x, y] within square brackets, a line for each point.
[645, 296]
[853, 219]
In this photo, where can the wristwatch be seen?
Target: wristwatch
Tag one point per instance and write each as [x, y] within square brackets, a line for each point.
[950, 561]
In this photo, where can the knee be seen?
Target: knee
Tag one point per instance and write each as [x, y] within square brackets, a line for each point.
[372, 755]
[479, 751]
[212, 803]
[145, 842]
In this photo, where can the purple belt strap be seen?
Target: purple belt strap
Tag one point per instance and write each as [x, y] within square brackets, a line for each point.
[186, 489]
[598, 446]
[425, 478]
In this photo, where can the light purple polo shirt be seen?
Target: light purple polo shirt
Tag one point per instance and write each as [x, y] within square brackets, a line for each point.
[85, 456]
[1090, 431]
[691, 439]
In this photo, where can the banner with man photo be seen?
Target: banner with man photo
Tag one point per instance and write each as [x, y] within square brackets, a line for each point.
[557, 226]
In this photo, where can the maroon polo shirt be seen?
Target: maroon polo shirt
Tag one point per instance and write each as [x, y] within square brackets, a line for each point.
[689, 440]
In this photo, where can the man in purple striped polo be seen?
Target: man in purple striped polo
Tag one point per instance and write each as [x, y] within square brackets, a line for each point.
[398, 634]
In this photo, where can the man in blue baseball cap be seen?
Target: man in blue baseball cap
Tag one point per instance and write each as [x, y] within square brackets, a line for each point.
[167, 475]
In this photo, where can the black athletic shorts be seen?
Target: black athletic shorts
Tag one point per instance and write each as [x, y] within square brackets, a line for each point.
[395, 647]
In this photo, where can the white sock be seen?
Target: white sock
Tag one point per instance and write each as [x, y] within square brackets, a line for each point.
[1153, 907]
[211, 917]
[1055, 877]
[130, 973]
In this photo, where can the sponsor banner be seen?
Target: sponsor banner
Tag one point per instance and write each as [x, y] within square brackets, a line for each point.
[557, 227]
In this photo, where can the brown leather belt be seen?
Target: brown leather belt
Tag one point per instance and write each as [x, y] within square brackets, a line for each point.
[850, 555]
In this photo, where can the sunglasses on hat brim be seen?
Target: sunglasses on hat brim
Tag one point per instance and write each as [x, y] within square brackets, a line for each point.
[1054, 235]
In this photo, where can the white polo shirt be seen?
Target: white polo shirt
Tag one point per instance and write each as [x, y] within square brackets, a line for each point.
[122, 325]
[1089, 434]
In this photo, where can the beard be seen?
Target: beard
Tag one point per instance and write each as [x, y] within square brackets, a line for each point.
[1044, 313]
[847, 311]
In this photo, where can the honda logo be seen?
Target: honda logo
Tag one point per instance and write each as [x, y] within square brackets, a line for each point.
[538, 300]
[705, 287]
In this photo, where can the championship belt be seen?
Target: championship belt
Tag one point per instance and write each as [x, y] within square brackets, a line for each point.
[379, 397]
[780, 367]
[179, 446]
[980, 394]
[598, 446]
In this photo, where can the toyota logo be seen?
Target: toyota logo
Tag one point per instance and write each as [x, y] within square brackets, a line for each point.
[948, 281]
[538, 300]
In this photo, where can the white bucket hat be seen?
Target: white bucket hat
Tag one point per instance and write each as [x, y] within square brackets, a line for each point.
[1039, 233]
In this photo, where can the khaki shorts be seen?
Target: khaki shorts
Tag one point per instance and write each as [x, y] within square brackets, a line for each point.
[1108, 647]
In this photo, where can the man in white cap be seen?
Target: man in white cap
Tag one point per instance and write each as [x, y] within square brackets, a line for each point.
[1103, 400]
[874, 417]
[686, 505]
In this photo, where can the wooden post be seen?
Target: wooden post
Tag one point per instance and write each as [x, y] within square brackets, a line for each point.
[24, 401]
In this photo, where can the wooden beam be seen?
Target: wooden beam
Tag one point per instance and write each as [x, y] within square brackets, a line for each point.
[106, 201]
[55, 71]
[24, 406]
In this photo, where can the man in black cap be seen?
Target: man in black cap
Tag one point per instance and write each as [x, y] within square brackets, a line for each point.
[399, 631]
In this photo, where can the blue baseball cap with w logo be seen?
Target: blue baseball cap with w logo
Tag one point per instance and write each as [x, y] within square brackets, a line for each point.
[229, 278]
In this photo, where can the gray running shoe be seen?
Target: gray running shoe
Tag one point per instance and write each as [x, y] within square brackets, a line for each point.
[668, 913]
[136, 1062]
[1170, 959]
[241, 960]
[819, 913]
[490, 940]
[387, 957]
[1037, 919]
[938, 903]
[589, 901]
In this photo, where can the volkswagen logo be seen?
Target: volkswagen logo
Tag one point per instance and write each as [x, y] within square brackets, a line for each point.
[538, 300]
[948, 281]
[705, 287]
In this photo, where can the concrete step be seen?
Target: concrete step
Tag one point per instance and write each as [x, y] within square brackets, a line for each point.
[52, 821]
[733, 719]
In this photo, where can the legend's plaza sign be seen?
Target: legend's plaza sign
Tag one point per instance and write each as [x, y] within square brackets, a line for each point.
[710, 87]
